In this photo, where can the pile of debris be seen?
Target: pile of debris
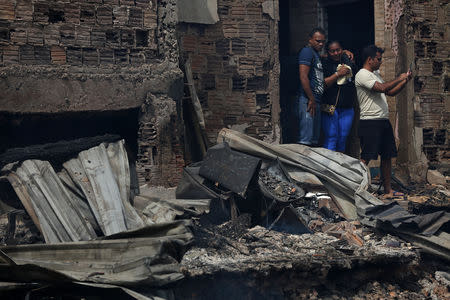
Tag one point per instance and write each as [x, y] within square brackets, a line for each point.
[298, 189]
[266, 190]
[80, 225]
[255, 209]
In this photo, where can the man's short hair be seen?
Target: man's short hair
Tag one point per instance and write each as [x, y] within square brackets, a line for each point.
[370, 51]
[317, 29]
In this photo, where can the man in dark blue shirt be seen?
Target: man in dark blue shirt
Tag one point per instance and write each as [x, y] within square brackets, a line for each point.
[311, 88]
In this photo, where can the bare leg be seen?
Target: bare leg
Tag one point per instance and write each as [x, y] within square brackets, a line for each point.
[386, 169]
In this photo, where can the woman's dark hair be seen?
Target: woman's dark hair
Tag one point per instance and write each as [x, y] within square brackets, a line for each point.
[370, 51]
[317, 29]
[329, 43]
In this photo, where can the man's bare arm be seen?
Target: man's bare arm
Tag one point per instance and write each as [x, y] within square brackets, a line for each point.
[397, 89]
[304, 71]
[387, 86]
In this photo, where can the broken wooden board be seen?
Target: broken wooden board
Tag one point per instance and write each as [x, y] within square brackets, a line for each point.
[58, 151]
[418, 199]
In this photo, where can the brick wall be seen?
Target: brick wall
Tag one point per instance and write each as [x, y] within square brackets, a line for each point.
[95, 32]
[428, 27]
[160, 158]
[235, 67]
[98, 55]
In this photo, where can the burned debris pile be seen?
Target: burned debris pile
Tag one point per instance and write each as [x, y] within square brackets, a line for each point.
[248, 208]
[244, 184]
[332, 199]
[82, 226]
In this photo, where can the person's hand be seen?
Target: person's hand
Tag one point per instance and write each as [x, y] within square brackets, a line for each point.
[409, 73]
[311, 107]
[349, 54]
[404, 76]
[342, 71]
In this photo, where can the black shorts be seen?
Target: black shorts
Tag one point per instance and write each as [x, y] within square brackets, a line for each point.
[376, 138]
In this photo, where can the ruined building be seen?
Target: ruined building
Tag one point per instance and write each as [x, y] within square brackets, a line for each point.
[78, 68]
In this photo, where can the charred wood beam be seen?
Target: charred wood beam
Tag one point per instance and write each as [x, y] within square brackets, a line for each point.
[56, 152]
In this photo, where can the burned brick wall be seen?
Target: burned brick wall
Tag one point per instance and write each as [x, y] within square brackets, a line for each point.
[428, 26]
[235, 67]
[63, 57]
[78, 33]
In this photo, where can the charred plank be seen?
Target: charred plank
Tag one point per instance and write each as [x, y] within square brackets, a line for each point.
[57, 152]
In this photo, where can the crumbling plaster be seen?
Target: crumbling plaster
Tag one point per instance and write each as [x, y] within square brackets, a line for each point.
[197, 11]
[69, 89]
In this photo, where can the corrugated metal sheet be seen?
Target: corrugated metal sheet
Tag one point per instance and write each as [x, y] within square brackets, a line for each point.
[148, 256]
[91, 193]
[44, 195]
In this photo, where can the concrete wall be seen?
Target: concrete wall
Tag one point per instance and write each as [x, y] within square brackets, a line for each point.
[235, 67]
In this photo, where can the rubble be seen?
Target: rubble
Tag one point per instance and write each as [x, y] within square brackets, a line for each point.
[262, 251]
[66, 59]
[435, 177]
[235, 259]
[251, 218]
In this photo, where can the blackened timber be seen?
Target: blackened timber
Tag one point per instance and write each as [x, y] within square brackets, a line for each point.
[55, 152]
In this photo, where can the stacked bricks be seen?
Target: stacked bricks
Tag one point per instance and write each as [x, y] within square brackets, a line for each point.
[430, 31]
[160, 157]
[92, 33]
[233, 63]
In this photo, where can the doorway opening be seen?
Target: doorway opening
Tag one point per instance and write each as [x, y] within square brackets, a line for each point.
[349, 21]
